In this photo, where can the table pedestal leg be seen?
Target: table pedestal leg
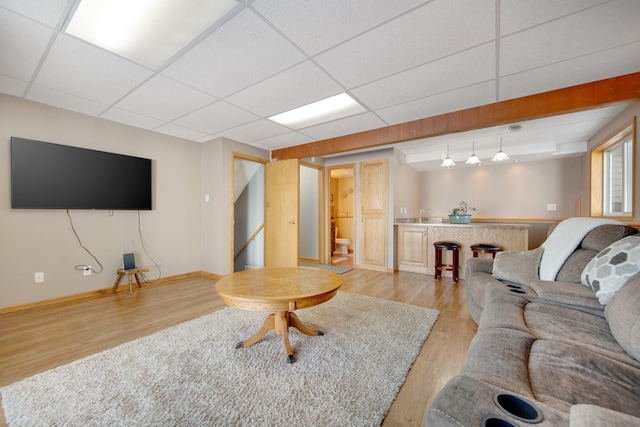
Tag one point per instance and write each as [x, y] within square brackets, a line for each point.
[280, 323]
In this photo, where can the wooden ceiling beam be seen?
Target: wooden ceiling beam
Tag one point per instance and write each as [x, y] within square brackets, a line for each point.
[561, 101]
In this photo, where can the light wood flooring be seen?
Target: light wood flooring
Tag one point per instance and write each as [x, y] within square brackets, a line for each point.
[42, 338]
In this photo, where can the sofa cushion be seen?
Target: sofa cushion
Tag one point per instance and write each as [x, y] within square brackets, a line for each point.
[623, 315]
[566, 374]
[517, 267]
[594, 242]
[612, 267]
[576, 327]
[595, 416]
[569, 294]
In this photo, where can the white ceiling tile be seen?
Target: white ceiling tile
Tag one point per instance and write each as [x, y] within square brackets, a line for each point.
[179, 131]
[411, 40]
[344, 126]
[12, 86]
[22, 43]
[65, 101]
[46, 12]
[317, 25]
[256, 131]
[131, 119]
[164, 98]
[454, 100]
[281, 141]
[463, 69]
[216, 117]
[517, 15]
[244, 51]
[584, 69]
[604, 27]
[78, 68]
[300, 85]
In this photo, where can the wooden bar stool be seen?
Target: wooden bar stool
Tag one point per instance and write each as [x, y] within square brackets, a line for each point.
[483, 247]
[439, 266]
[131, 272]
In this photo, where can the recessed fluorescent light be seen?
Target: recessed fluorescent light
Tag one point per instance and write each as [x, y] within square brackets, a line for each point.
[146, 31]
[333, 108]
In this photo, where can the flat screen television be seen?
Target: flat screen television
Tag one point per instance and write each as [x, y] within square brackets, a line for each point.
[53, 176]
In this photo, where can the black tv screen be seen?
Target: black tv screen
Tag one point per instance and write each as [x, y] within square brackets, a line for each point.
[53, 176]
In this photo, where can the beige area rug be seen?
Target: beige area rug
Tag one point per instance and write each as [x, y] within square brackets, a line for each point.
[192, 374]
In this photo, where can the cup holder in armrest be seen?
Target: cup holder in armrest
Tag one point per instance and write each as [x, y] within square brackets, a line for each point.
[517, 408]
[514, 286]
[495, 422]
[517, 291]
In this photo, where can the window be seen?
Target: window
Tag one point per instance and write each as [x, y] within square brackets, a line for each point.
[612, 174]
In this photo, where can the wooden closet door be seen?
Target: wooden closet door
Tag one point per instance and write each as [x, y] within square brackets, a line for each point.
[281, 213]
[373, 215]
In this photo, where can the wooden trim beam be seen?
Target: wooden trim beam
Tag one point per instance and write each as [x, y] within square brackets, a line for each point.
[561, 101]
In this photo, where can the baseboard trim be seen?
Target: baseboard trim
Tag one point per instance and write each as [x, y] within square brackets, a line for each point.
[109, 291]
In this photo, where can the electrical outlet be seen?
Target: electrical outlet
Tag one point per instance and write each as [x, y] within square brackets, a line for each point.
[38, 277]
[551, 207]
[87, 271]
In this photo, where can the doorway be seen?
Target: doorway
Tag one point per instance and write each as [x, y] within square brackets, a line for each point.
[342, 205]
[248, 213]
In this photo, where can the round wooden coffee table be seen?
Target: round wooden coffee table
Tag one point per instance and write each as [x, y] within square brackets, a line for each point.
[280, 290]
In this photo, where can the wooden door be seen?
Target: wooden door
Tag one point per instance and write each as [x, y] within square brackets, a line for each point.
[281, 213]
[373, 215]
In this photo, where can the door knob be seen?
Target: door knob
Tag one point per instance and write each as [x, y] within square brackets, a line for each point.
[292, 221]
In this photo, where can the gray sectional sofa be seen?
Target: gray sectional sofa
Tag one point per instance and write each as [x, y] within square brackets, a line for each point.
[563, 352]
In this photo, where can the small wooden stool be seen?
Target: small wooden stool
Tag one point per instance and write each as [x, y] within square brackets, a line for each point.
[482, 247]
[439, 266]
[131, 272]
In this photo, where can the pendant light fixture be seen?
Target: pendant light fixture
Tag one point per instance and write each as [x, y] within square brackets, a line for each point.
[447, 162]
[500, 155]
[473, 159]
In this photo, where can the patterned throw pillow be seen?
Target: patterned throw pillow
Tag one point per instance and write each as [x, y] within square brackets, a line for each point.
[611, 268]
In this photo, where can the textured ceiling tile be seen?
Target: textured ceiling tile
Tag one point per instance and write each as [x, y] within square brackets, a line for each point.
[589, 68]
[131, 119]
[78, 68]
[603, 27]
[464, 69]
[317, 25]
[458, 99]
[179, 131]
[46, 12]
[344, 126]
[256, 131]
[281, 141]
[411, 40]
[300, 85]
[164, 98]
[216, 117]
[22, 43]
[517, 15]
[244, 51]
[12, 86]
[65, 101]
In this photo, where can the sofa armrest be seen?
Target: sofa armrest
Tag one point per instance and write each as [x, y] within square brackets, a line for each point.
[484, 265]
[583, 415]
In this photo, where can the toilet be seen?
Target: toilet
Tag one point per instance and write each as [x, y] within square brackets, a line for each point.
[342, 245]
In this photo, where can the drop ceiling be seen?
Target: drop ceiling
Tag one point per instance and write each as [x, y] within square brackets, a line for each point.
[402, 60]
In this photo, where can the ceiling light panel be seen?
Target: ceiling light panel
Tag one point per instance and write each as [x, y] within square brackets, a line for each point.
[146, 31]
[332, 108]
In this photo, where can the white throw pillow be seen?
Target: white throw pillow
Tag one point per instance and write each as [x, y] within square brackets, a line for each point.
[612, 267]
